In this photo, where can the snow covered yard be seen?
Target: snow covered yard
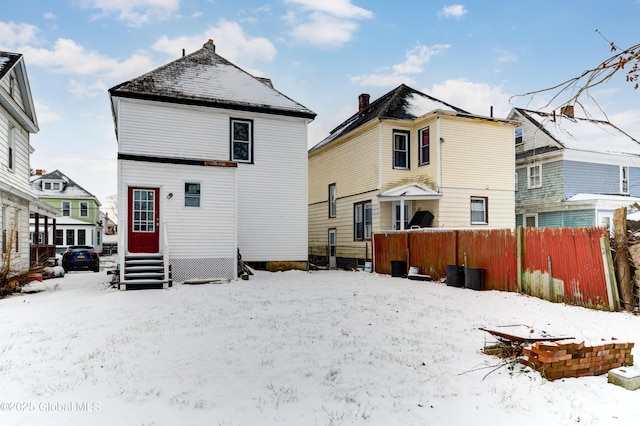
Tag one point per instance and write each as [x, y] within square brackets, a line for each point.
[292, 348]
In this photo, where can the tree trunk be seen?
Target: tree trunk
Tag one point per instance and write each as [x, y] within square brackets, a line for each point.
[623, 269]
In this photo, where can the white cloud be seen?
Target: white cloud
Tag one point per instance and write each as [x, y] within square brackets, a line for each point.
[415, 60]
[12, 34]
[49, 15]
[338, 8]
[506, 57]
[325, 24]
[325, 31]
[44, 113]
[453, 11]
[230, 40]
[476, 98]
[134, 12]
[82, 90]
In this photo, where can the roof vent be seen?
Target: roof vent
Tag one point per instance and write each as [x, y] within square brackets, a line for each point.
[209, 45]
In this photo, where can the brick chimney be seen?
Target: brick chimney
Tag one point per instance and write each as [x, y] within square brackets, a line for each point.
[209, 45]
[363, 102]
[567, 110]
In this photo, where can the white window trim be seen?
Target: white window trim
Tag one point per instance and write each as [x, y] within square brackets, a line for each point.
[80, 209]
[333, 200]
[421, 161]
[184, 204]
[526, 216]
[11, 156]
[624, 180]
[529, 168]
[408, 207]
[515, 137]
[486, 212]
[63, 209]
[249, 142]
[404, 134]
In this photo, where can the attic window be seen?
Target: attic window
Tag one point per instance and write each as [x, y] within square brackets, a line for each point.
[51, 185]
[518, 134]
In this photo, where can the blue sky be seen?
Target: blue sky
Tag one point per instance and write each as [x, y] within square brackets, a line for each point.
[321, 53]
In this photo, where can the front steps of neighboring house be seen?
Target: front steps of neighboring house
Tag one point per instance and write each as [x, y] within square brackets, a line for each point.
[144, 271]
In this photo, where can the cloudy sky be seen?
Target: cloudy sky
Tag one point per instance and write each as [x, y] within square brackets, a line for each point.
[321, 53]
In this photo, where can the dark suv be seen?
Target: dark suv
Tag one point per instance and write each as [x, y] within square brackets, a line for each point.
[81, 257]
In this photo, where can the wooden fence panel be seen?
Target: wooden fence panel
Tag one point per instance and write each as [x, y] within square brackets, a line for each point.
[565, 265]
[494, 251]
[433, 251]
[557, 264]
[388, 247]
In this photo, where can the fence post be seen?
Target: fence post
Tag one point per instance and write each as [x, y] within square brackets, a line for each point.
[551, 292]
[609, 274]
[519, 254]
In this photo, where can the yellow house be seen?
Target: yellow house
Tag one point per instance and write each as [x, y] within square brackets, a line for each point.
[407, 161]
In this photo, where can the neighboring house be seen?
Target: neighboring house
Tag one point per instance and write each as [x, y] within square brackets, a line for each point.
[80, 220]
[407, 160]
[211, 161]
[572, 171]
[18, 202]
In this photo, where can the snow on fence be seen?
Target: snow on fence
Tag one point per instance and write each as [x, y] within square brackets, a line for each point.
[570, 265]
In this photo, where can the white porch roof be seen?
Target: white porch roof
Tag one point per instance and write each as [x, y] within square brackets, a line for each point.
[602, 201]
[410, 191]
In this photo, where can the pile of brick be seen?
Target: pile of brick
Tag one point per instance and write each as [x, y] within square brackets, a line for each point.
[557, 360]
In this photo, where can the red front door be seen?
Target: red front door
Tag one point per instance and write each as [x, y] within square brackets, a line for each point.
[144, 220]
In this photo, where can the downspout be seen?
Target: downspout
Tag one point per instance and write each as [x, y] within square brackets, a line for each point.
[439, 154]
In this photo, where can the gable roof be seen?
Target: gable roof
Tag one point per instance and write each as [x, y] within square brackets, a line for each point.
[207, 79]
[581, 134]
[27, 116]
[402, 103]
[70, 189]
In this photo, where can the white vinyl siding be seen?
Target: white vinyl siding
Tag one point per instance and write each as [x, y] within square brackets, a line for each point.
[192, 233]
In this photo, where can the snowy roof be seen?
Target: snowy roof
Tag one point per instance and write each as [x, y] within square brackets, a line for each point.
[583, 134]
[7, 61]
[69, 188]
[206, 78]
[402, 103]
[608, 201]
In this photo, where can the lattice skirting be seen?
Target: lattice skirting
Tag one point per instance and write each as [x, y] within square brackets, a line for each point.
[202, 268]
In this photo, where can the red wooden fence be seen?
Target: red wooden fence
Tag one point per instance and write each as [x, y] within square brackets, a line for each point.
[558, 264]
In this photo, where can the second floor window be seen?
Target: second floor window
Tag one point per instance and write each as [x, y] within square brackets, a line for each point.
[424, 146]
[242, 140]
[400, 149]
[11, 149]
[84, 209]
[333, 197]
[534, 175]
[66, 208]
[624, 179]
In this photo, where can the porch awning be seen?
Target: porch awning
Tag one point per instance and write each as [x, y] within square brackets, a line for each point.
[602, 201]
[411, 191]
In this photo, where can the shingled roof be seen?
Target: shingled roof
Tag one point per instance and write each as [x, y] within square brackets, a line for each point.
[207, 79]
[581, 134]
[7, 61]
[402, 103]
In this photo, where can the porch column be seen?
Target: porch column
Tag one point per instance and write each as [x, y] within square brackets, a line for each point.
[402, 214]
[36, 234]
[46, 230]
[54, 231]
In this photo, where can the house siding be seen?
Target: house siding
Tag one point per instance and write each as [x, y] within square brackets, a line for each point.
[549, 193]
[196, 235]
[272, 192]
[353, 167]
[595, 178]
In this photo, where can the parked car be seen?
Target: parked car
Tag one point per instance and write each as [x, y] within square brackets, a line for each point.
[81, 257]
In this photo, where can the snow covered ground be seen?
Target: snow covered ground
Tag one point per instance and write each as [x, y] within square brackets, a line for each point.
[291, 348]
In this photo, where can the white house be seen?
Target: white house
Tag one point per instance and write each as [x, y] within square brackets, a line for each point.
[18, 202]
[211, 161]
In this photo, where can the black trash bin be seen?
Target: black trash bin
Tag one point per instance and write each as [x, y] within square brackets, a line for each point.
[398, 268]
[455, 276]
[474, 278]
